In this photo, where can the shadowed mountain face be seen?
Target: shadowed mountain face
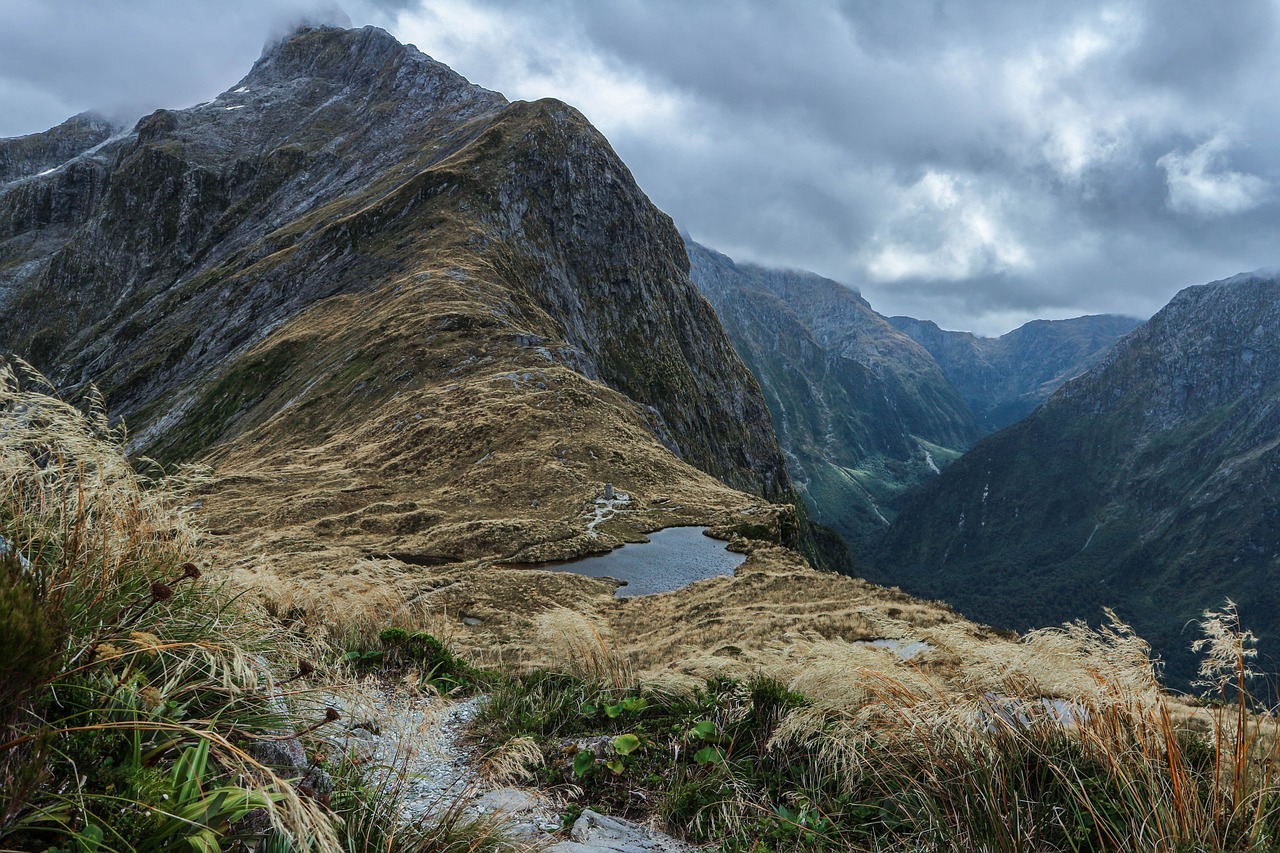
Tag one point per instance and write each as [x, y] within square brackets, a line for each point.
[1150, 484]
[441, 320]
[866, 407]
[1003, 379]
[861, 410]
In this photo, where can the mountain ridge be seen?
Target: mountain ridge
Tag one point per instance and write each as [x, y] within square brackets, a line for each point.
[358, 270]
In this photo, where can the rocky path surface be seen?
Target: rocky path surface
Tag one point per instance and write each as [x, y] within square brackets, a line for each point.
[420, 743]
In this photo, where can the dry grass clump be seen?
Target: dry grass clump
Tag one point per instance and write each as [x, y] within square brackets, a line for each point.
[1066, 741]
[513, 761]
[131, 720]
[581, 645]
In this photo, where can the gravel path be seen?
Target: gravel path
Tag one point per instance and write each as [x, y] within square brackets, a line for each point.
[420, 743]
[420, 739]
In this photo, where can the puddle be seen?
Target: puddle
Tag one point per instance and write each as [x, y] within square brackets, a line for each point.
[672, 558]
[904, 649]
[1022, 713]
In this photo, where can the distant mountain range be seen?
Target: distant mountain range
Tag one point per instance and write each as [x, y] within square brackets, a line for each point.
[865, 406]
[1003, 379]
[1150, 484]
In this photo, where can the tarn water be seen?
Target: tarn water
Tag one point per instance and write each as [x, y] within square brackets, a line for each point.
[672, 558]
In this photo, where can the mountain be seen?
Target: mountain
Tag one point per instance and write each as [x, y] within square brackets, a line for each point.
[866, 407]
[1150, 484]
[860, 409]
[1003, 379]
[25, 156]
[396, 313]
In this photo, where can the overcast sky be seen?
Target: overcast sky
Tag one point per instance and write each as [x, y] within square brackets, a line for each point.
[976, 163]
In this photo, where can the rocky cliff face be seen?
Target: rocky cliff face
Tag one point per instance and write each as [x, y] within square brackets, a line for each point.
[25, 156]
[1003, 379]
[1149, 484]
[442, 320]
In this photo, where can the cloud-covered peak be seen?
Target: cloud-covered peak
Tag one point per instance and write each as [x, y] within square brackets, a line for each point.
[977, 162]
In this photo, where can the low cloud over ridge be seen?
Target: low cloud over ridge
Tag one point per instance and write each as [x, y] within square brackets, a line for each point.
[976, 163]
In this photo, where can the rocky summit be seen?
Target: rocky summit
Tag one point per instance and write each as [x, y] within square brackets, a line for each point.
[1149, 484]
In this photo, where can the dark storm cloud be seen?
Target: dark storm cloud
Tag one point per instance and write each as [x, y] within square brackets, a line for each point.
[978, 163]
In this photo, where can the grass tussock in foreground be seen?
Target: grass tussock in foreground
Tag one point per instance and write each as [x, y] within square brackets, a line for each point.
[1068, 744]
[141, 707]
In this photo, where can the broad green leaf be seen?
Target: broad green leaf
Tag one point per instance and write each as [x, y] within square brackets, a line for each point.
[90, 837]
[583, 763]
[626, 744]
[709, 755]
[616, 765]
[703, 729]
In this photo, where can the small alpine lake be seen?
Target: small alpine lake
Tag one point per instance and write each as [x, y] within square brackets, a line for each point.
[672, 558]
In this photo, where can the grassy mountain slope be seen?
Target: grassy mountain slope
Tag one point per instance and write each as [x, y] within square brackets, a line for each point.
[442, 320]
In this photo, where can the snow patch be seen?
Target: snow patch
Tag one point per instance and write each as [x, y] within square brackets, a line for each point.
[242, 90]
[928, 460]
[236, 107]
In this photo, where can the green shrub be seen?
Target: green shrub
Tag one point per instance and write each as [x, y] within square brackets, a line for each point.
[402, 651]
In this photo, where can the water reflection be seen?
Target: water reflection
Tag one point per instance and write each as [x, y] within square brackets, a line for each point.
[672, 558]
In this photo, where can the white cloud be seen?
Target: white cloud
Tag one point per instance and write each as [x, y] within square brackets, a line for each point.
[1200, 184]
[945, 227]
[1073, 125]
[527, 58]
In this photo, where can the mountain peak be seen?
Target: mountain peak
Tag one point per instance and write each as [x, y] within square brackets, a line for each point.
[331, 53]
[368, 58]
[1262, 274]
